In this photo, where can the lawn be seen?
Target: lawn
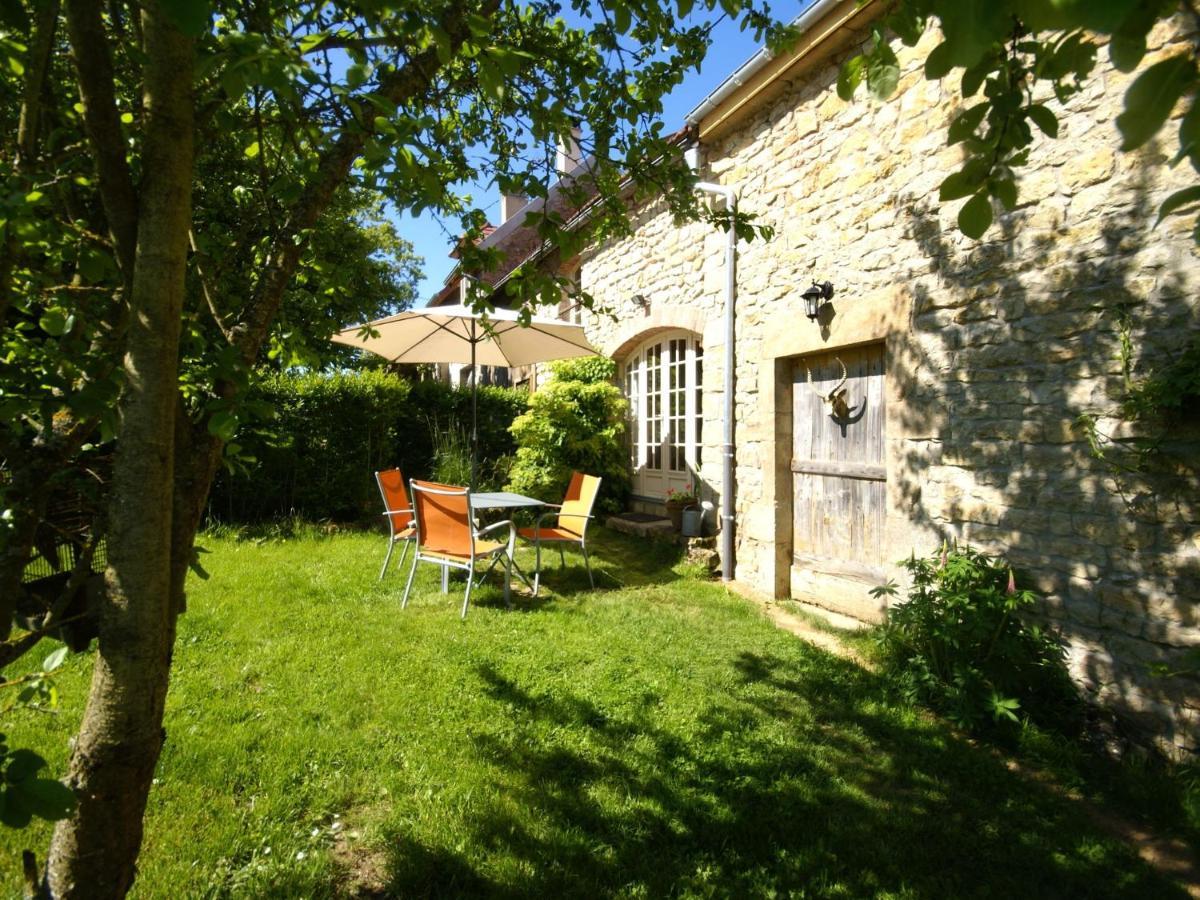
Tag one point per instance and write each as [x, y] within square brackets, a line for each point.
[657, 737]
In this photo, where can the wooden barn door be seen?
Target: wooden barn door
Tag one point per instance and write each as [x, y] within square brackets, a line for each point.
[838, 469]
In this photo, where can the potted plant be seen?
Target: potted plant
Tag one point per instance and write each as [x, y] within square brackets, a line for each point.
[677, 501]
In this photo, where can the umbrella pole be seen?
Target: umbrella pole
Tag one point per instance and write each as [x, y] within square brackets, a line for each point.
[474, 408]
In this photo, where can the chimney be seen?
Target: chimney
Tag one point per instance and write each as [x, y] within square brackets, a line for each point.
[510, 205]
[569, 154]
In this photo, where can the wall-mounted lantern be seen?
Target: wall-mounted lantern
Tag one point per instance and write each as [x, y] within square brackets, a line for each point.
[640, 301]
[815, 297]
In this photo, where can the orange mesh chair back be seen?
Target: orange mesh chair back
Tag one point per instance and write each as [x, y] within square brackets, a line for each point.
[444, 525]
[577, 505]
[446, 537]
[398, 511]
[395, 499]
[570, 526]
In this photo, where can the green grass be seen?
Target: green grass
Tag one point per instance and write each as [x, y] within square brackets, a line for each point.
[657, 737]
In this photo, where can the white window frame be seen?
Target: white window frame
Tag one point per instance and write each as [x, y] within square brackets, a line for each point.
[650, 366]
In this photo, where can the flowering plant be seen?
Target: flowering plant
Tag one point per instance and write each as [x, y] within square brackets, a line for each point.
[682, 495]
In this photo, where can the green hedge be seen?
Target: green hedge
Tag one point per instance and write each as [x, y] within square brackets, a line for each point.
[317, 456]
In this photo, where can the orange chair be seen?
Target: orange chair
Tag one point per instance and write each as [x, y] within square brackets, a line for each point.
[446, 536]
[397, 509]
[571, 527]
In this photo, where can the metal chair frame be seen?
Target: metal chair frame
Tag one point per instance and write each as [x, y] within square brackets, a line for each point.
[467, 563]
[407, 535]
[538, 539]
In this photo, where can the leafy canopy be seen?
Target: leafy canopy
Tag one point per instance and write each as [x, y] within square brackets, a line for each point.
[307, 118]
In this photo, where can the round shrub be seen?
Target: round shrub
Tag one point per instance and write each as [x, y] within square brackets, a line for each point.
[575, 422]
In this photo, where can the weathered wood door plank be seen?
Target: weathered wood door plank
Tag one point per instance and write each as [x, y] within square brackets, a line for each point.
[839, 472]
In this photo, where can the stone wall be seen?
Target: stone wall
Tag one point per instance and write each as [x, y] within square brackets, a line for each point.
[993, 349]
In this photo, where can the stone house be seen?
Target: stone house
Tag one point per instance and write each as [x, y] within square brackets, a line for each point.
[965, 365]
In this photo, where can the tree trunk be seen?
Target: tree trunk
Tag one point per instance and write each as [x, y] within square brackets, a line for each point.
[93, 854]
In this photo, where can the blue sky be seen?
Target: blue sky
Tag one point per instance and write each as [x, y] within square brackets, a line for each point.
[730, 49]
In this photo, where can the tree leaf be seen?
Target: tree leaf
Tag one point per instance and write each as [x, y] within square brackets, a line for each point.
[311, 42]
[223, 424]
[1043, 118]
[882, 80]
[1004, 190]
[1178, 200]
[622, 16]
[975, 217]
[192, 17]
[1128, 43]
[55, 659]
[972, 78]
[850, 76]
[55, 321]
[1097, 15]
[1151, 98]
[971, 29]
[957, 185]
[252, 150]
[907, 23]
[12, 60]
[966, 122]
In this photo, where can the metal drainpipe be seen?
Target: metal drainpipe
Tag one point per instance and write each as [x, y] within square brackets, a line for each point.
[727, 517]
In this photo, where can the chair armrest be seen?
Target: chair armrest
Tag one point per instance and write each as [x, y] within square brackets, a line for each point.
[507, 523]
[390, 512]
[512, 533]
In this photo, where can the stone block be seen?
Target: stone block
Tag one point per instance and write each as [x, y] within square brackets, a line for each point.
[1088, 169]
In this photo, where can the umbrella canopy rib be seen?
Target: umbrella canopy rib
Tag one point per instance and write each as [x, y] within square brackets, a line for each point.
[437, 326]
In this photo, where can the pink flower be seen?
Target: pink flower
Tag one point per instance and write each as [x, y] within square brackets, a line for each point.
[1012, 582]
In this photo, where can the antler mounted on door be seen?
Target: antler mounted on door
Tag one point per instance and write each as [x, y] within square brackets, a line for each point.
[834, 400]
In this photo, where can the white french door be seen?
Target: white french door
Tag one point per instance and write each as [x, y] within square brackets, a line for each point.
[663, 381]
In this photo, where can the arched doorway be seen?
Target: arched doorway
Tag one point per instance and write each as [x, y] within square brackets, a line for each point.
[663, 379]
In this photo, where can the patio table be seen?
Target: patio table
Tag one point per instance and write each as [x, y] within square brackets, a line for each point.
[499, 500]
[502, 500]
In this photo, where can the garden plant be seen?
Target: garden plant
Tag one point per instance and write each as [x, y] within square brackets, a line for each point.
[965, 642]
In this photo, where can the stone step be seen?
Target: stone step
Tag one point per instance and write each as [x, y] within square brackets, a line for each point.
[642, 525]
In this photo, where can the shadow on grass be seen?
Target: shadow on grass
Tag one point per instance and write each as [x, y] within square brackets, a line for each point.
[798, 780]
[618, 561]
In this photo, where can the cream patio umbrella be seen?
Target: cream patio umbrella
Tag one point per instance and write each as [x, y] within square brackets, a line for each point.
[457, 334]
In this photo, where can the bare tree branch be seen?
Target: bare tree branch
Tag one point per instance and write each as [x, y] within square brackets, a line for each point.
[94, 70]
[35, 82]
[36, 67]
[204, 289]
